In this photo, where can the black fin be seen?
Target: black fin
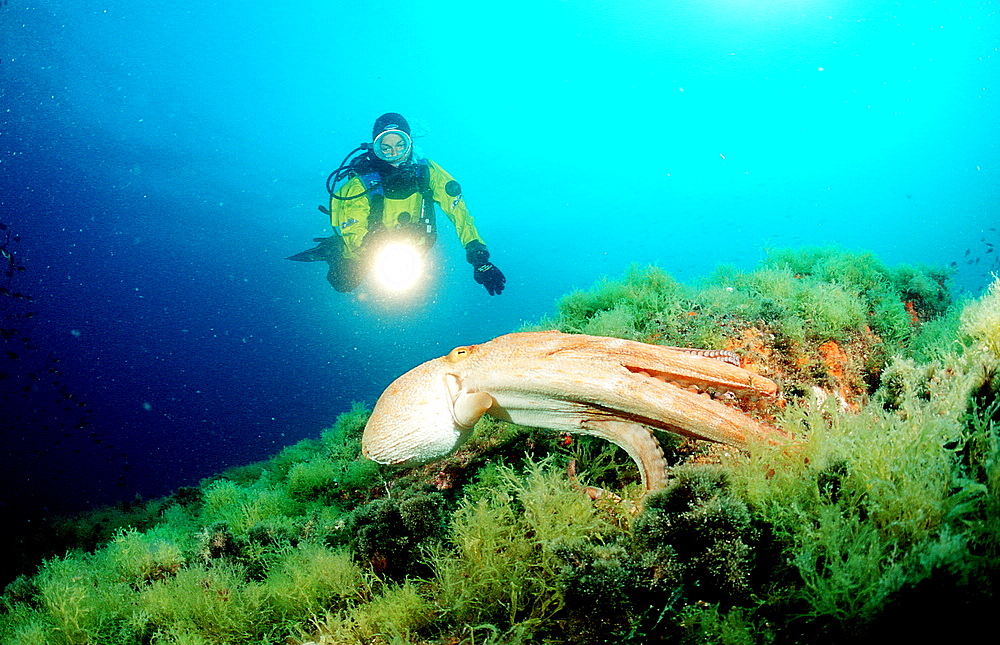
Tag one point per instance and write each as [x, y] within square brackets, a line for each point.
[327, 249]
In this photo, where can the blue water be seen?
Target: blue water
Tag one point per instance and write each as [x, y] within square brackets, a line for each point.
[158, 162]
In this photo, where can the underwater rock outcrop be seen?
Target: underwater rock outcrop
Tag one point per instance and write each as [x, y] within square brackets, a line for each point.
[888, 511]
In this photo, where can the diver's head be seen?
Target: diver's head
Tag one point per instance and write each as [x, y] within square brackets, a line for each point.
[391, 140]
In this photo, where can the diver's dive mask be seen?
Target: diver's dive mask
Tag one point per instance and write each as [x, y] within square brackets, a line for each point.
[392, 146]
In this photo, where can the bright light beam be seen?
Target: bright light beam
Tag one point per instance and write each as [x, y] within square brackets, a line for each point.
[398, 266]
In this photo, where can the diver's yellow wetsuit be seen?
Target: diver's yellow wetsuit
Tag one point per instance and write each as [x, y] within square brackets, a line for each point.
[351, 216]
[388, 195]
[381, 201]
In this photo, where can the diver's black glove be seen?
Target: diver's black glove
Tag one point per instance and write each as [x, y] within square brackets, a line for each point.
[490, 277]
[483, 271]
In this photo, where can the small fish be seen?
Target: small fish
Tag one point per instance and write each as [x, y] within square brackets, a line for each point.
[989, 250]
[953, 264]
[967, 251]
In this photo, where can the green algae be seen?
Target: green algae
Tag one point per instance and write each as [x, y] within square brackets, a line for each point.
[880, 510]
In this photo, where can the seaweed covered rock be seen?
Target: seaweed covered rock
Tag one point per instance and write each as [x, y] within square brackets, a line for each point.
[391, 533]
[881, 524]
[707, 529]
[821, 321]
[603, 586]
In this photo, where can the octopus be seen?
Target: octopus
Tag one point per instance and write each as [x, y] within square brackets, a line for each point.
[619, 390]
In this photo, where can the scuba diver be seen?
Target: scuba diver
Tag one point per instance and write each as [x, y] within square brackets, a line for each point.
[388, 202]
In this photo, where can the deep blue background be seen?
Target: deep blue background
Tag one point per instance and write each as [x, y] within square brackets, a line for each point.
[159, 160]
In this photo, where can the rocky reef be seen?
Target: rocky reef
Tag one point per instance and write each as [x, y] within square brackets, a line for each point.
[881, 521]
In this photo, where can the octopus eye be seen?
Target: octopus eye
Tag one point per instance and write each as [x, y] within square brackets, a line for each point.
[459, 353]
